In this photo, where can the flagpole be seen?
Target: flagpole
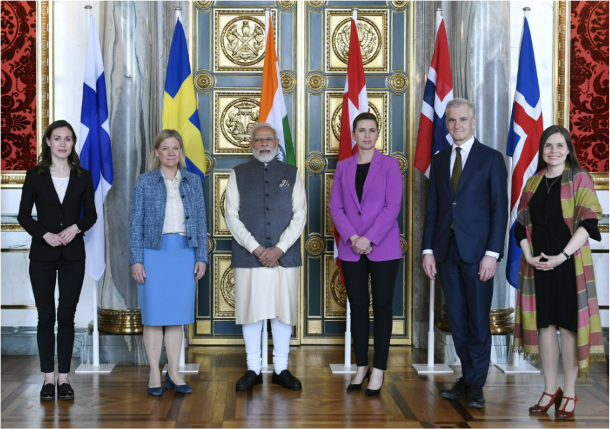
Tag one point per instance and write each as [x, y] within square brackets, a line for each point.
[430, 367]
[95, 367]
[514, 363]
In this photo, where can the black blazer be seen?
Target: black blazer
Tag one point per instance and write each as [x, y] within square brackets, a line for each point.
[54, 216]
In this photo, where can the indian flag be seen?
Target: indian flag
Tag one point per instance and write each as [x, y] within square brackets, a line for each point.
[273, 108]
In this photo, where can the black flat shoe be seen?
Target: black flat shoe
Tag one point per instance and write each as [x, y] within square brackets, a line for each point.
[65, 392]
[47, 393]
[355, 387]
[249, 380]
[286, 380]
[457, 391]
[369, 392]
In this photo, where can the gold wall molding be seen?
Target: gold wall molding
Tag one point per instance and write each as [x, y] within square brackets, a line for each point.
[404, 246]
[289, 82]
[329, 226]
[335, 297]
[120, 322]
[315, 164]
[398, 4]
[316, 4]
[561, 72]
[373, 34]
[316, 81]
[600, 180]
[204, 81]
[17, 307]
[604, 227]
[314, 245]
[314, 326]
[203, 4]
[211, 244]
[218, 196]
[12, 227]
[402, 162]
[204, 327]
[398, 82]
[236, 115]
[224, 287]
[286, 4]
[12, 179]
[210, 163]
[239, 39]
[378, 105]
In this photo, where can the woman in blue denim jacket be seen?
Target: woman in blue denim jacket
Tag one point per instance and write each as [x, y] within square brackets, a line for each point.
[168, 252]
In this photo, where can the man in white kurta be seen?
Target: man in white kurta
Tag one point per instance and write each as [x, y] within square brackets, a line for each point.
[265, 210]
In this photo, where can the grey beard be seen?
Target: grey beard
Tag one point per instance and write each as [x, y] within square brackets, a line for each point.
[265, 157]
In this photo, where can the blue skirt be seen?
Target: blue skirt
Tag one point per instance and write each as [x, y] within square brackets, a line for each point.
[167, 296]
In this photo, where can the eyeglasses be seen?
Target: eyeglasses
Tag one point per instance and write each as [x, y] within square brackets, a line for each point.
[259, 140]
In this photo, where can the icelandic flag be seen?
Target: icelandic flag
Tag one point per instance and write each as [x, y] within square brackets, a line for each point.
[273, 106]
[180, 104]
[433, 135]
[523, 140]
[95, 149]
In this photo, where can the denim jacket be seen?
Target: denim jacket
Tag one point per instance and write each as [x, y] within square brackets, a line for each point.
[148, 214]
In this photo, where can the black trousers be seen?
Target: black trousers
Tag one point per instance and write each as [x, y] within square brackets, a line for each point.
[70, 276]
[383, 277]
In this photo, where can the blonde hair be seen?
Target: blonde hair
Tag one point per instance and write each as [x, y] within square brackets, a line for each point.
[153, 162]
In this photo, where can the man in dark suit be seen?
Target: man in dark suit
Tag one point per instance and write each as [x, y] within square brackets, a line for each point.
[465, 225]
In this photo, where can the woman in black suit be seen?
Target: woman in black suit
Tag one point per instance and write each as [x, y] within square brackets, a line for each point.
[59, 187]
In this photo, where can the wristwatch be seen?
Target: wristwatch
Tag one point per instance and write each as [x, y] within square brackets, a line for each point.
[78, 231]
[566, 255]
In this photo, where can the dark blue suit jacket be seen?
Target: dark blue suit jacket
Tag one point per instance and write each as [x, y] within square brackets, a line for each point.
[478, 210]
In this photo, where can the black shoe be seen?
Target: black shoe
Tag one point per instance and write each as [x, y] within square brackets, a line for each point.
[65, 392]
[249, 380]
[370, 392]
[286, 380]
[474, 397]
[355, 387]
[47, 393]
[457, 391]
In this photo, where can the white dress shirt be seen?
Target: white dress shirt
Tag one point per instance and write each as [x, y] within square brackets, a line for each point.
[466, 148]
[174, 222]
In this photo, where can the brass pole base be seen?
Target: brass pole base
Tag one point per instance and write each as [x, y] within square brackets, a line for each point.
[501, 321]
[118, 322]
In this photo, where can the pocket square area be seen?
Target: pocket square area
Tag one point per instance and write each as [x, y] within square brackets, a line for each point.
[284, 184]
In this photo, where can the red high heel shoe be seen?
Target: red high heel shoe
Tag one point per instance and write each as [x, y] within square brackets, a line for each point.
[562, 413]
[555, 399]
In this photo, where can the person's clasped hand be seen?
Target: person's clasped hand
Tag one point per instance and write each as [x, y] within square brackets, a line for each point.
[268, 257]
[361, 245]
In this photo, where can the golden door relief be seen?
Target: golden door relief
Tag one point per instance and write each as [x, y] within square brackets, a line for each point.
[236, 113]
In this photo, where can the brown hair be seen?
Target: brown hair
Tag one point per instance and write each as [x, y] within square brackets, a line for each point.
[571, 159]
[153, 162]
[45, 159]
[364, 117]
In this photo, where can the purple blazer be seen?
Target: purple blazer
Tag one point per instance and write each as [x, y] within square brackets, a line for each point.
[376, 217]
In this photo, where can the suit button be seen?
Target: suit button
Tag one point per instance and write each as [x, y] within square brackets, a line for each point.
[266, 169]
[190, 238]
[187, 217]
[268, 223]
[267, 208]
[266, 181]
[268, 238]
[359, 214]
[61, 223]
[183, 197]
[266, 195]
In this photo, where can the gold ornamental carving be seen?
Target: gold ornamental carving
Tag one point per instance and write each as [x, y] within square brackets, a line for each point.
[315, 81]
[288, 81]
[314, 245]
[378, 105]
[203, 81]
[236, 113]
[315, 164]
[600, 180]
[203, 4]
[210, 163]
[224, 287]
[373, 35]
[211, 244]
[501, 321]
[402, 162]
[286, 4]
[218, 196]
[12, 179]
[316, 4]
[368, 35]
[122, 322]
[12, 227]
[399, 82]
[398, 4]
[335, 294]
[404, 246]
[239, 40]
[329, 226]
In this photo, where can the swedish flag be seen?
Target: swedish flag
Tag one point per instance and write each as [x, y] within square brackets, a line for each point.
[180, 104]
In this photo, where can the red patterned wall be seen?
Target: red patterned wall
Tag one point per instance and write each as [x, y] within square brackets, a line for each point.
[589, 83]
[18, 85]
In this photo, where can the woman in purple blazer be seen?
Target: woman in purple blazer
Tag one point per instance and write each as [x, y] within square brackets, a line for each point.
[364, 204]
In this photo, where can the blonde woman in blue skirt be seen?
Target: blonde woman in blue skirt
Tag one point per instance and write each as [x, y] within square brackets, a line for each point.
[168, 252]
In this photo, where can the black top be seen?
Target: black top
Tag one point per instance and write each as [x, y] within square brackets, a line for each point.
[362, 170]
[556, 299]
[55, 216]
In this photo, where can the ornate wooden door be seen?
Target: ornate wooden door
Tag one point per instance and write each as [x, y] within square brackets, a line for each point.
[311, 39]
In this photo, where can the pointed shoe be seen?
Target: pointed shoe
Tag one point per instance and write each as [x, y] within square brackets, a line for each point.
[370, 392]
[355, 387]
[155, 391]
[180, 388]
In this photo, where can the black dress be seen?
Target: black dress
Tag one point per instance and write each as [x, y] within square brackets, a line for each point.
[556, 299]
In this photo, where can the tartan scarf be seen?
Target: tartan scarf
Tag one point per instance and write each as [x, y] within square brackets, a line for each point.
[578, 202]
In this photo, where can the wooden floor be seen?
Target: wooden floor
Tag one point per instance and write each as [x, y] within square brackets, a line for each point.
[407, 400]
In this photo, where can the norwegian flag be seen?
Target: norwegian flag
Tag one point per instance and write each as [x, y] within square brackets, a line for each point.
[433, 135]
[355, 102]
[526, 127]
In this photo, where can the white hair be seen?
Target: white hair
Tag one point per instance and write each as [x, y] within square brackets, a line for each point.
[459, 102]
[262, 125]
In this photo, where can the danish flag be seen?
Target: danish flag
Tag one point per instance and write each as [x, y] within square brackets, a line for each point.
[355, 102]
[433, 135]
[526, 127]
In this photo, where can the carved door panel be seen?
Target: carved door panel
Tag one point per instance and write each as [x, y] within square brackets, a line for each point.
[382, 30]
[228, 56]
